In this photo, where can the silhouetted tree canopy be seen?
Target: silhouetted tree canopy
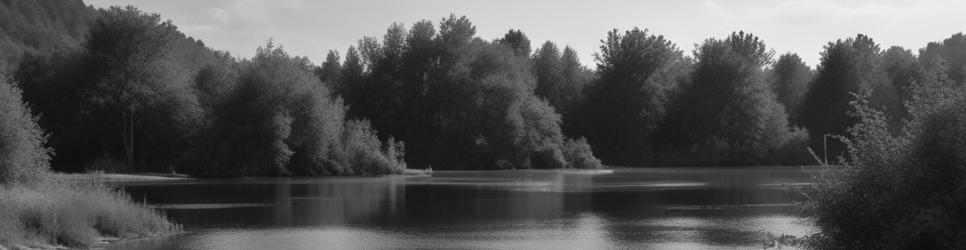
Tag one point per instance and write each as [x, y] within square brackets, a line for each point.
[517, 41]
[119, 95]
[728, 113]
[283, 121]
[902, 68]
[790, 79]
[848, 66]
[561, 80]
[638, 74]
[460, 101]
[331, 71]
[952, 51]
[119, 83]
[29, 26]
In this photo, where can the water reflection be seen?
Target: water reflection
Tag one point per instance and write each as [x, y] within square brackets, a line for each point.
[649, 208]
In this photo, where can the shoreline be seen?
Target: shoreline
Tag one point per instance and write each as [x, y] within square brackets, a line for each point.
[165, 177]
[125, 177]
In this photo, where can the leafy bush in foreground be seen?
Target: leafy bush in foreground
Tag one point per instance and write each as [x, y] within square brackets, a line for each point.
[899, 192]
[37, 209]
[74, 214]
[23, 157]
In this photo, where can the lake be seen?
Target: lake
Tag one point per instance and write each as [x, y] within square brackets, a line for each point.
[662, 208]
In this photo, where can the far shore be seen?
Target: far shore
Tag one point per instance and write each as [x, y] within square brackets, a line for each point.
[128, 177]
[158, 177]
[161, 177]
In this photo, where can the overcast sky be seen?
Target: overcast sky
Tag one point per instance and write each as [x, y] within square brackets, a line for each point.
[309, 28]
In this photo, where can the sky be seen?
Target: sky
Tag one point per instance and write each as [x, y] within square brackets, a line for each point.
[311, 28]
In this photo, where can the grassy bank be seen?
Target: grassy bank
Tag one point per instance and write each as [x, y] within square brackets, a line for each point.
[73, 213]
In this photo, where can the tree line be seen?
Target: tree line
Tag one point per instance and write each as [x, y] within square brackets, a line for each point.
[905, 189]
[135, 93]
[732, 102]
[138, 95]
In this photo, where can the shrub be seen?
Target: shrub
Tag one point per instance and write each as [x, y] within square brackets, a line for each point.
[364, 154]
[579, 155]
[23, 157]
[898, 192]
[73, 213]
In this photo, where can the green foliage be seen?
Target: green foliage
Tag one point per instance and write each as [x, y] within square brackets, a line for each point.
[122, 93]
[214, 83]
[848, 66]
[362, 153]
[493, 117]
[331, 72]
[579, 154]
[902, 67]
[728, 113]
[561, 80]
[751, 47]
[952, 52]
[74, 214]
[790, 79]
[132, 79]
[900, 191]
[280, 120]
[23, 156]
[119, 83]
[639, 73]
[517, 41]
[459, 101]
[28, 26]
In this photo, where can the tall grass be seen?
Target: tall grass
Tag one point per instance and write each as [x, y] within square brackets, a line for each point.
[73, 214]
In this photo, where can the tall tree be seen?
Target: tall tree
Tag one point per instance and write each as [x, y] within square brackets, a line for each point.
[461, 101]
[330, 71]
[848, 66]
[902, 69]
[282, 121]
[561, 80]
[134, 88]
[728, 113]
[789, 79]
[638, 74]
[548, 69]
[517, 41]
[953, 52]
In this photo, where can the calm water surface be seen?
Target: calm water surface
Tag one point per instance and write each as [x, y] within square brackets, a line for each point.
[654, 208]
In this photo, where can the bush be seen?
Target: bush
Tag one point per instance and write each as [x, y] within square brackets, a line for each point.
[898, 192]
[74, 214]
[363, 153]
[579, 155]
[23, 157]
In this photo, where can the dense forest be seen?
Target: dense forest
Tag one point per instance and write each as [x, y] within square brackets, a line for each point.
[120, 89]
